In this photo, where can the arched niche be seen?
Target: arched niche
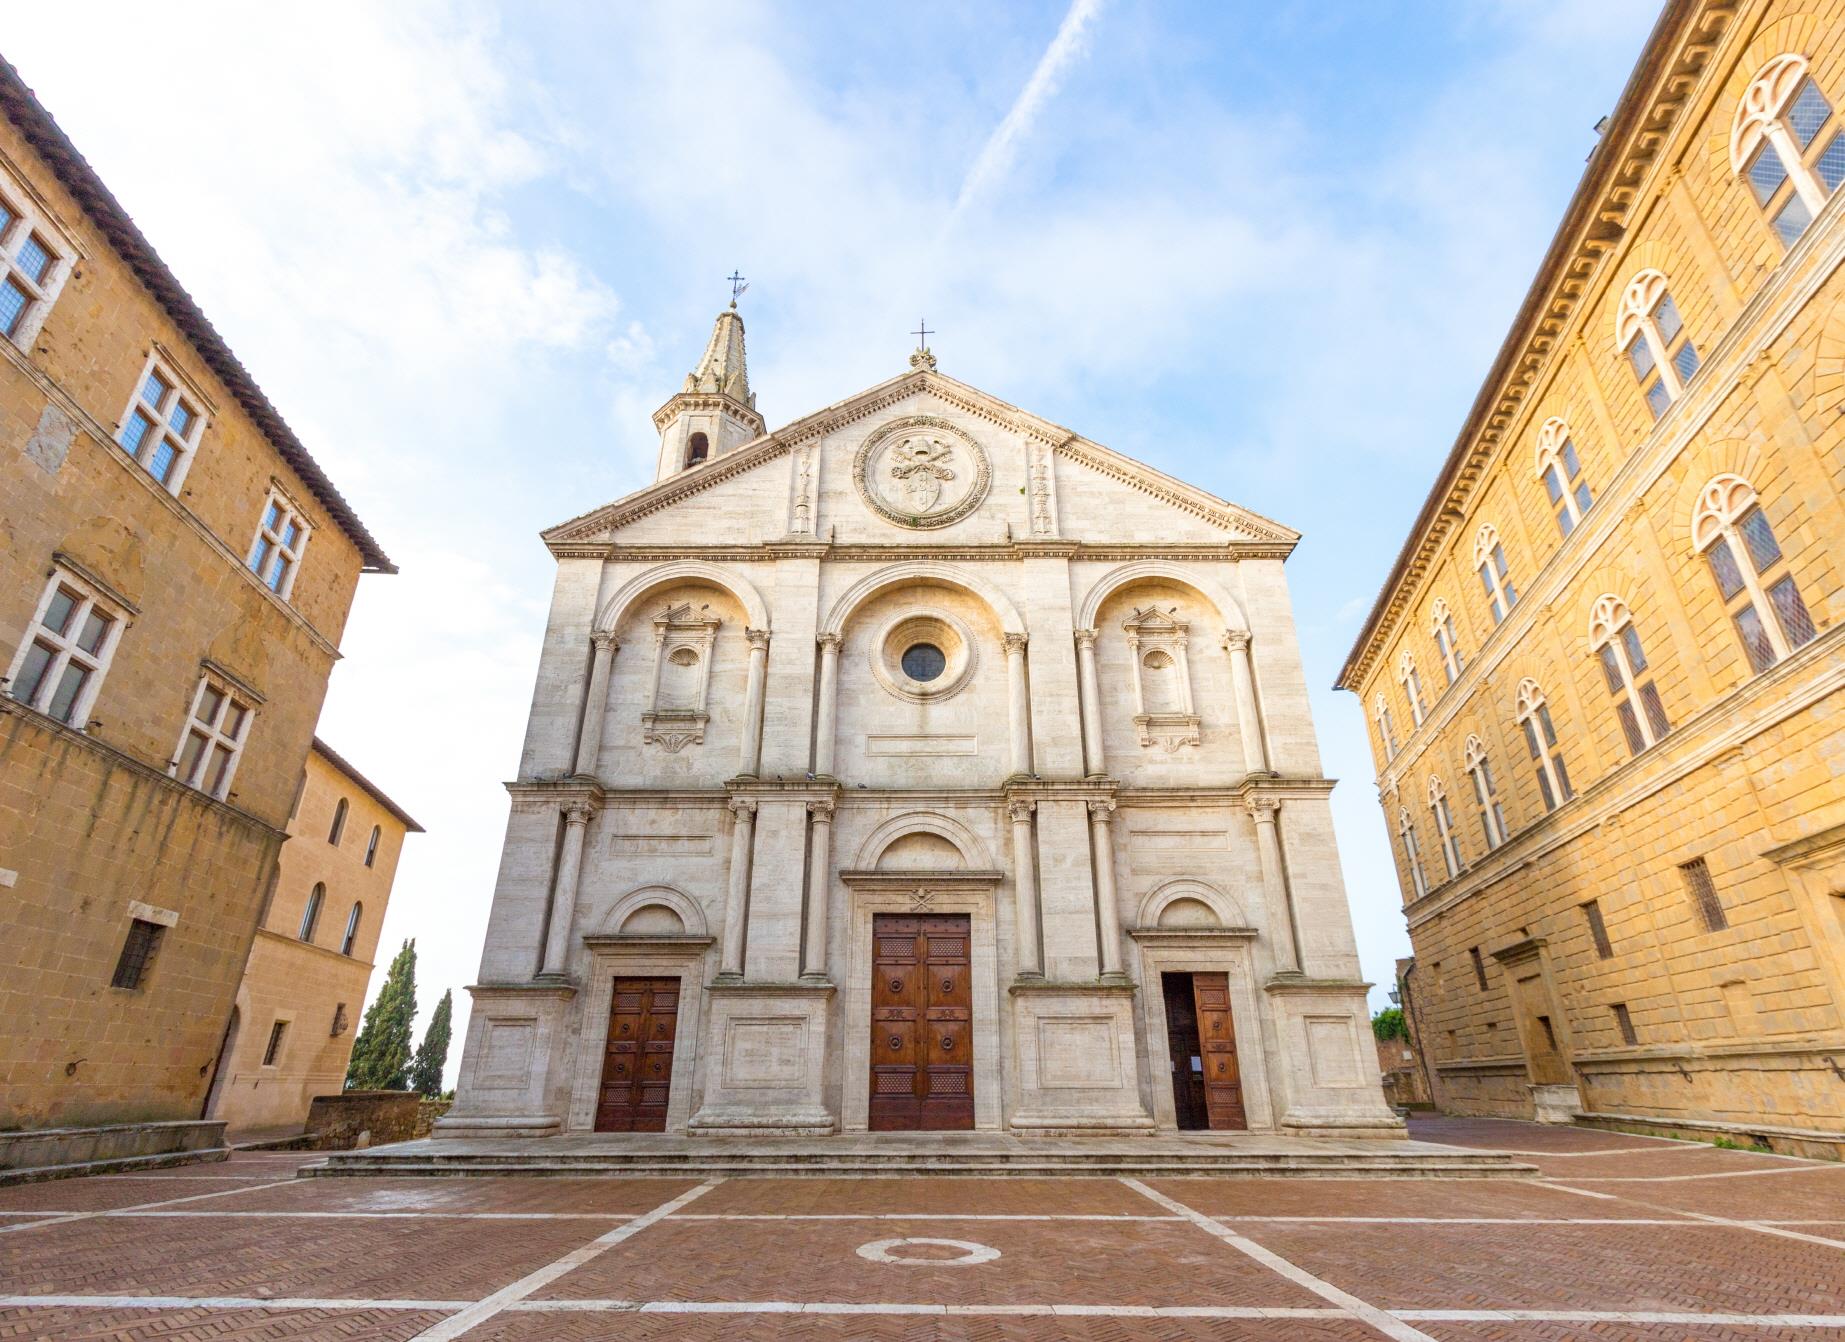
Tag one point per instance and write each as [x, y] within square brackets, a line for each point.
[1142, 570]
[643, 585]
[1188, 904]
[916, 834]
[655, 911]
[923, 573]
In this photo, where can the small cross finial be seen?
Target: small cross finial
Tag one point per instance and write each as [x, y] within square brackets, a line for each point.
[922, 333]
[737, 285]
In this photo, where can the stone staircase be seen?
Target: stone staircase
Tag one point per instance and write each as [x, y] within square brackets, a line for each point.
[977, 1155]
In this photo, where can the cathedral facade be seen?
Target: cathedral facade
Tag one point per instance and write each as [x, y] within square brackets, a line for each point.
[918, 765]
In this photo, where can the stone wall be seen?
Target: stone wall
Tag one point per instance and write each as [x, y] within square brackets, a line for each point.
[357, 1118]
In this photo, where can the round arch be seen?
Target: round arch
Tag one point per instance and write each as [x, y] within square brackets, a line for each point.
[973, 852]
[1115, 579]
[617, 607]
[1189, 888]
[691, 917]
[923, 570]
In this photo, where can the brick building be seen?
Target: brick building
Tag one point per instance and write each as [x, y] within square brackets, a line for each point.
[1604, 677]
[174, 578]
[297, 1013]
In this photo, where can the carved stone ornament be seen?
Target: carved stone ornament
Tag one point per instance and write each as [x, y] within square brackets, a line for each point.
[682, 643]
[1163, 711]
[922, 472]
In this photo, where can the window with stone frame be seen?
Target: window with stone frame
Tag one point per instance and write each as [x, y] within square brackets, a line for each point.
[1485, 792]
[1703, 893]
[281, 539]
[1624, 1022]
[60, 666]
[1615, 642]
[1412, 687]
[683, 638]
[1495, 577]
[1738, 542]
[272, 1052]
[212, 744]
[1598, 929]
[1412, 852]
[310, 916]
[371, 845]
[350, 937]
[35, 260]
[1786, 141]
[1441, 628]
[337, 830]
[1561, 471]
[137, 953]
[162, 425]
[1532, 712]
[1386, 727]
[1158, 648]
[1448, 840]
[1652, 335]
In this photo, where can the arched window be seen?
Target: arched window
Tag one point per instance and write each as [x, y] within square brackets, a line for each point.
[1444, 827]
[1561, 471]
[338, 827]
[1780, 141]
[1613, 638]
[1412, 686]
[697, 448]
[352, 928]
[1411, 853]
[1386, 729]
[1533, 714]
[1485, 792]
[1441, 625]
[371, 845]
[1648, 328]
[310, 916]
[1489, 558]
[1735, 536]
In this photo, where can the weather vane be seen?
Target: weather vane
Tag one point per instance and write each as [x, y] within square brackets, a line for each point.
[737, 285]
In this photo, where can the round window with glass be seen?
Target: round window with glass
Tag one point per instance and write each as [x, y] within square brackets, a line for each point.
[923, 662]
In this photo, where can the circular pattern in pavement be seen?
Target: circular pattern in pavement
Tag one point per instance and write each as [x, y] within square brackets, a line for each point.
[880, 1251]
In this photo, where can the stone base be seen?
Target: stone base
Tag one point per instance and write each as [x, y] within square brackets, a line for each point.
[498, 1125]
[1076, 1059]
[1555, 1104]
[766, 1052]
[1330, 1085]
[1390, 1127]
[512, 1066]
[39, 1152]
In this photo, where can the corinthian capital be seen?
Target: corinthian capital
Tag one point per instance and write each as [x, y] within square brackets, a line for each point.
[1085, 638]
[1015, 643]
[828, 640]
[759, 638]
[604, 639]
[1236, 640]
[578, 812]
[1263, 809]
[1020, 811]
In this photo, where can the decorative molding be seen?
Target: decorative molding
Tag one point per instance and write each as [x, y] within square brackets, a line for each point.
[1155, 637]
[919, 464]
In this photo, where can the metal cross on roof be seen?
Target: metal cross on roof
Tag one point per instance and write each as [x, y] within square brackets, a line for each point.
[922, 333]
[737, 285]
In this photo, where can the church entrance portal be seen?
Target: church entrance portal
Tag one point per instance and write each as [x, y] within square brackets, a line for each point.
[637, 1069]
[922, 1051]
[1207, 1087]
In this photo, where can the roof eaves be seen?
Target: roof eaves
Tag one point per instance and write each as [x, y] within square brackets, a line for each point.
[366, 785]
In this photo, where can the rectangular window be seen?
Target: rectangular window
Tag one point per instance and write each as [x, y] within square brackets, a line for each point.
[214, 739]
[1784, 596]
[1703, 892]
[1598, 930]
[60, 667]
[32, 268]
[162, 425]
[1625, 1023]
[281, 536]
[1479, 968]
[137, 953]
[277, 1033]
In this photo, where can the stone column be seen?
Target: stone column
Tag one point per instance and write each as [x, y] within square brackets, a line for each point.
[1091, 690]
[1248, 716]
[819, 886]
[1020, 709]
[752, 702]
[595, 705]
[564, 888]
[1025, 889]
[1108, 913]
[736, 895]
[825, 723]
[1264, 811]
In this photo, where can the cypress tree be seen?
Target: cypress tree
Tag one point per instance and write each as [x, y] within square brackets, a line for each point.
[382, 1051]
[432, 1055]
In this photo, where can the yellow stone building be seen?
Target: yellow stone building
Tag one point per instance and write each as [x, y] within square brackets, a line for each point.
[297, 1012]
[1604, 677]
[175, 573]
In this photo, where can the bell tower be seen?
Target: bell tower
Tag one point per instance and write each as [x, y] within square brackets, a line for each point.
[715, 412]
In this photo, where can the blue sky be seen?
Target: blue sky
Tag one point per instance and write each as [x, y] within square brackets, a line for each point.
[467, 248]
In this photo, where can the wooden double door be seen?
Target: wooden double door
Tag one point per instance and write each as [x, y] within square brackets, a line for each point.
[1207, 1085]
[922, 1047]
[637, 1067]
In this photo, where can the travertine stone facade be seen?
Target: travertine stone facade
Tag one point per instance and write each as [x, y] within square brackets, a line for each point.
[314, 952]
[106, 821]
[1644, 914]
[1104, 761]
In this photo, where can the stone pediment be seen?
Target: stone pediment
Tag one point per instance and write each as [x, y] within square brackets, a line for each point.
[926, 492]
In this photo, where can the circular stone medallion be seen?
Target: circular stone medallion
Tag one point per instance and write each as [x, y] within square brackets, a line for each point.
[921, 472]
[927, 1252]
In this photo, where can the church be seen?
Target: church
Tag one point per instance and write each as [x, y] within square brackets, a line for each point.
[918, 765]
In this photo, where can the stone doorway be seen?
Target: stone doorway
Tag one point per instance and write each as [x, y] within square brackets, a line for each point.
[637, 1064]
[1207, 1083]
[922, 1048]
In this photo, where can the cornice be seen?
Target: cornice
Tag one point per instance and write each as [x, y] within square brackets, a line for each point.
[720, 401]
[1229, 551]
[1138, 475]
[1673, 64]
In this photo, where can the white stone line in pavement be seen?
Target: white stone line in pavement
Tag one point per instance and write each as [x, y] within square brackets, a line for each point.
[1377, 1318]
[1808, 1168]
[918, 1216]
[384, 1216]
[1621, 1316]
[65, 1218]
[1582, 1192]
[1767, 1228]
[919, 1307]
[216, 1302]
[1454, 1220]
[482, 1310]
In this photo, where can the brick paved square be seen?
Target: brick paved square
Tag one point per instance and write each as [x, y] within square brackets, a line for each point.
[1503, 1134]
[1069, 1262]
[612, 1197]
[1621, 1331]
[1523, 1198]
[101, 1194]
[1816, 1192]
[1659, 1162]
[932, 1196]
[543, 1327]
[176, 1325]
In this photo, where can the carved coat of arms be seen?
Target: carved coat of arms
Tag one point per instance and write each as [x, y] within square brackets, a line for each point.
[919, 467]
[922, 471]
